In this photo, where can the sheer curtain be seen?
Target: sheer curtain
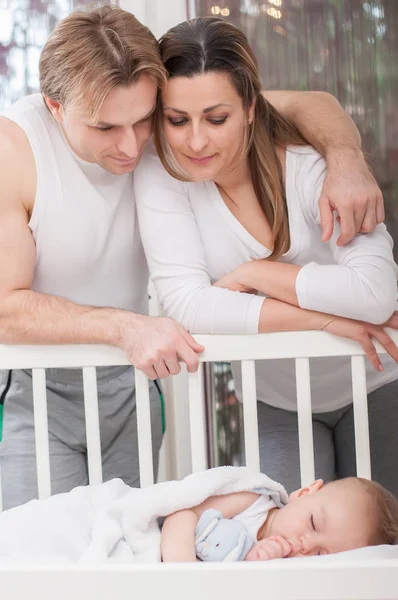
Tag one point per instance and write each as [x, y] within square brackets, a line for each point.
[24, 28]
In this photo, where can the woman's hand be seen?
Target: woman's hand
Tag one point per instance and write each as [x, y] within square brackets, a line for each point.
[234, 281]
[363, 333]
[351, 190]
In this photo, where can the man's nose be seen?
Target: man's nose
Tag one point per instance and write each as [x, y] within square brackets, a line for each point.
[128, 144]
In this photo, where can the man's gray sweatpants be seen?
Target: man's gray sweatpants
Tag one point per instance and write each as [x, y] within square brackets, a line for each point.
[67, 434]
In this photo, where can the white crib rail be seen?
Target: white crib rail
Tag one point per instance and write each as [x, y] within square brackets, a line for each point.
[298, 345]
[94, 454]
[144, 429]
[306, 442]
[197, 421]
[41, 432]
[250, 414]
[361, 421]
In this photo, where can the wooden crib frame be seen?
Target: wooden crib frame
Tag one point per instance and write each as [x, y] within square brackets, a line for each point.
[280, 580]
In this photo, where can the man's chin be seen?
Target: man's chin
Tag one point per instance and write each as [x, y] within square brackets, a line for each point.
[119, 168]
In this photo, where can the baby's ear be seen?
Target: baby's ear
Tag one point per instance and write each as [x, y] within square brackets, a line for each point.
[308, 489]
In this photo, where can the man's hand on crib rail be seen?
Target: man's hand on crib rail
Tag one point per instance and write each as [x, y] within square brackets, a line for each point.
[155, 345]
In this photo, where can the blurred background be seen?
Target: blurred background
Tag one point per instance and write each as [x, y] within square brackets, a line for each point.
[346, 47]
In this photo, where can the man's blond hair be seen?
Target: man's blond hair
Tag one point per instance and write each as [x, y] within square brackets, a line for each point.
[90, 53]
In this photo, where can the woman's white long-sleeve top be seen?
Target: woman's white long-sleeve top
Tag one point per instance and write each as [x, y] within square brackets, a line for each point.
[191, 239]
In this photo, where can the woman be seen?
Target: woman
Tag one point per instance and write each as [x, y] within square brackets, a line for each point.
[239, 208]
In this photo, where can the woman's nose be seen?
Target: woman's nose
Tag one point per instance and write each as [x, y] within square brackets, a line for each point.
[198, 141]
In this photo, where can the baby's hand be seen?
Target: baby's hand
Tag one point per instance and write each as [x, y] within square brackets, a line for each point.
[269, 548]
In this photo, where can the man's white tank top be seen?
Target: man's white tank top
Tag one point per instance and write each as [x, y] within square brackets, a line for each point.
[84, 221]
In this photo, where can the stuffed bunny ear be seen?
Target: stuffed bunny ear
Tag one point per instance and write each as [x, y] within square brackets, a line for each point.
[207, 522]
[237, 553]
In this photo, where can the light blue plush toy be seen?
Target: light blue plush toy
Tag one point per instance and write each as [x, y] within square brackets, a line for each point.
[219, 539]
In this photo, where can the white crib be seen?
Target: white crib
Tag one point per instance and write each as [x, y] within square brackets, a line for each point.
[280, 580]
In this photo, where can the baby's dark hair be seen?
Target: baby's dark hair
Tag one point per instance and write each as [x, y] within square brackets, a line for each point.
[384, 522]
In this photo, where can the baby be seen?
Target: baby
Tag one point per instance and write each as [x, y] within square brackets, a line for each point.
[319, 519]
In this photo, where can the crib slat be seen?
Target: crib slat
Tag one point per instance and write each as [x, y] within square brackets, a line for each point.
[250, 421]
[197, 420]
[306, 441]
[1, 492]
[361, 420]
[94, 458]
[144, 432]
[41, 433]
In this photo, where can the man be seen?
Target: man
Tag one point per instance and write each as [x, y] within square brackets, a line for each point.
[71, 261]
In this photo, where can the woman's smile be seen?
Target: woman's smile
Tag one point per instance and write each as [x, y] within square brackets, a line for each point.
[203, 160]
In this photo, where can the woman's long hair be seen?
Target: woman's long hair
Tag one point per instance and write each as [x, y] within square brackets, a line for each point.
[210, 44]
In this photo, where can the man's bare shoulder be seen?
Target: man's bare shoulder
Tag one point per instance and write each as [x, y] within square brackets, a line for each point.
[17, 166]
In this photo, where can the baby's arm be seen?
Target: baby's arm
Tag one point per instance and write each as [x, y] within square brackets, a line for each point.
[178, 537]
[269, 548]
[178, 532]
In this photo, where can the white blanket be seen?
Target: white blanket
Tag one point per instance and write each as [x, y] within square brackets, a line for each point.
[111, 522]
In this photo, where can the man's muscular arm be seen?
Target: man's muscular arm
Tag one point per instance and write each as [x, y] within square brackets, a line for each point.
[154, 345]
[349, 187]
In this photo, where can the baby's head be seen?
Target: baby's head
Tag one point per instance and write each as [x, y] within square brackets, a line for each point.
[342, 515]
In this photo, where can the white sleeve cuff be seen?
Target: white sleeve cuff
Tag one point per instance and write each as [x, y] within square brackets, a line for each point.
[303, 285]
[253, 314]
[222, 311]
